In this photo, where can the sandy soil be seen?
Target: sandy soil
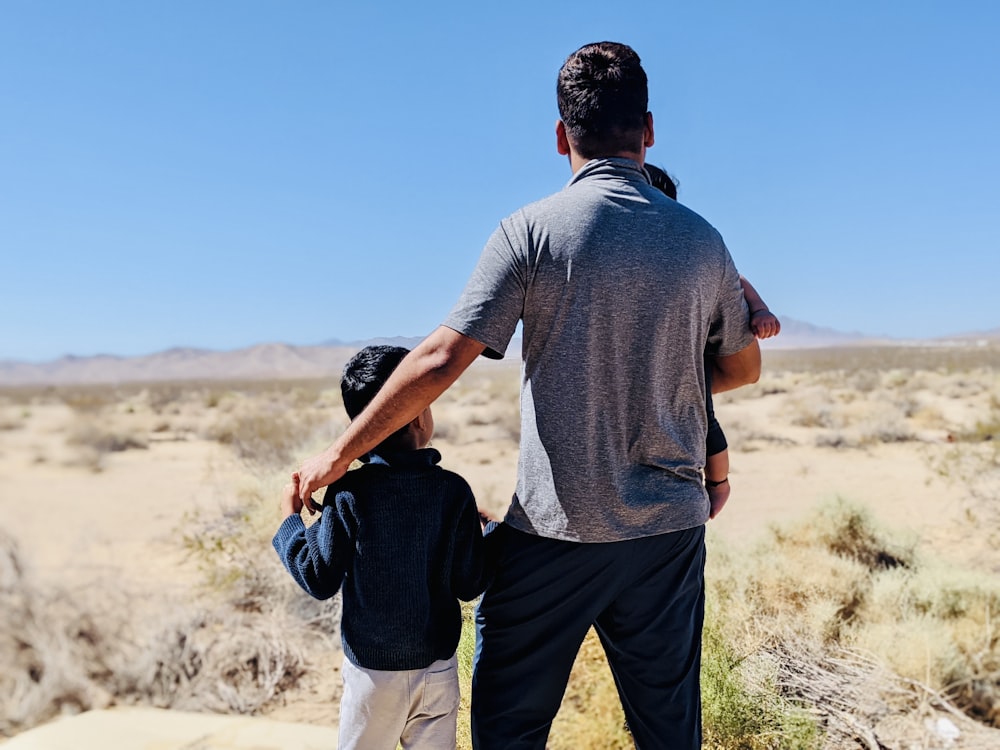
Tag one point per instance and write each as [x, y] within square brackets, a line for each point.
[81, 527]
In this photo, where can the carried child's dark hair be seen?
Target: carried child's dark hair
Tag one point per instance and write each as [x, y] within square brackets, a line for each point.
[662, 181]
[365, 374]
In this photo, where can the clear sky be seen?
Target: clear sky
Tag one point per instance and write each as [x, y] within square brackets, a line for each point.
[229, 172]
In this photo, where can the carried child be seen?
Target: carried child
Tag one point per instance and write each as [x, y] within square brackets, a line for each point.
[401, 537]
[764, 325]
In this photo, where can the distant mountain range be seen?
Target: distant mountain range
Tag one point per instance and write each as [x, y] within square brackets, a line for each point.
[281, 361]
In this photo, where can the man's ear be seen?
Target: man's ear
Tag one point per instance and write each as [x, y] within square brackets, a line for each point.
[562, 140]
[647, 131]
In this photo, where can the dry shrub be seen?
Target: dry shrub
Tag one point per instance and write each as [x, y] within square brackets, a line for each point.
[218, 660]
[233, 551]
[92, 442]
[814, 408]
[836, 583]
[266, 436]
[88, 399]
[40, 672]
[159, 396]
[63, 652]
[9, 422]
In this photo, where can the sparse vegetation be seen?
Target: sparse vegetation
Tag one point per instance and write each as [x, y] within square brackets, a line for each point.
[93, 441]
[835, 586]
[831, 632]
[62, 651]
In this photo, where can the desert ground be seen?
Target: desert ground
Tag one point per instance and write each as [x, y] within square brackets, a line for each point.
[136, 571]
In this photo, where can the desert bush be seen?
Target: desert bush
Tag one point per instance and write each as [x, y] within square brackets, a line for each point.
[742, 708]
[88, 399]
[160, 396]
[814, 409]
[218, 660]
[93, 442]
[232, 548]
[39, 676]
[266, 436]
[837, 583]
[69, 651]
[8, 423]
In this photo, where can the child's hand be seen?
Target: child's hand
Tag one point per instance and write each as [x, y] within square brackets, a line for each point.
[717, 497]
[291, 505]
[763, 324]
[486, 517]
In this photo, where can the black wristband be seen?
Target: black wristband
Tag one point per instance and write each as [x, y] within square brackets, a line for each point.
[710, 483]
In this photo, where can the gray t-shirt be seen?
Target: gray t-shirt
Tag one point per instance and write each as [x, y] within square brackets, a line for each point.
[622, 291]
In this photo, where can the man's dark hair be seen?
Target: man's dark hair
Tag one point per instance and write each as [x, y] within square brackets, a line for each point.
[366, 373]
[603, 99]
[662, 181]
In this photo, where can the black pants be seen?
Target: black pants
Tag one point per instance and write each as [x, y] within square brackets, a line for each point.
[645, 597]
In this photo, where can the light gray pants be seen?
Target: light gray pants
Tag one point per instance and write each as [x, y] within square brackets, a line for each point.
[416, 708]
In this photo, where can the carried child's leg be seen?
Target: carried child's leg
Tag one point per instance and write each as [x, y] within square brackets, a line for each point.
[434, 707]
[373, 709]
[717, 480]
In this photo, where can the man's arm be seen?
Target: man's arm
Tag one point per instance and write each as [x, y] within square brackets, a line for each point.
[422, 376]
[737, 369]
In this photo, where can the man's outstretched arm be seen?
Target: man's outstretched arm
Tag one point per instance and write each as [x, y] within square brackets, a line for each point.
[742, 368]
[422, 376]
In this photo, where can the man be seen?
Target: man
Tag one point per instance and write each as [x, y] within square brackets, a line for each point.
[621, 291]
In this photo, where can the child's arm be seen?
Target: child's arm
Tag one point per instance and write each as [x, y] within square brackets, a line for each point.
[315, 557]
[763, 323]
[471, 571]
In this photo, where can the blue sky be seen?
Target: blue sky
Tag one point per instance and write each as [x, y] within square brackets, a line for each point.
[223, 173]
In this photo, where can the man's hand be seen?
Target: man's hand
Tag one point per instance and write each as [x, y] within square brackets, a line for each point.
[314, 474]
[291, 505]
[764, 324]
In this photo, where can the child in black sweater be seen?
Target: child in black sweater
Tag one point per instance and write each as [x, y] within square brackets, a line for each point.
[402, 537]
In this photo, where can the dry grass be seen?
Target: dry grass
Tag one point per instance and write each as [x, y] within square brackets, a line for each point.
[63, 651]
[836, 584]
[92, 441]
[834, 632]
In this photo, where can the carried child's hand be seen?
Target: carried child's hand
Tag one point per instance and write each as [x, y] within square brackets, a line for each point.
[764, 324]
[291, 505]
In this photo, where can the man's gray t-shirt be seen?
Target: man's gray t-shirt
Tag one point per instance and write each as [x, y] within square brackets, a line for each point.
[622, 291]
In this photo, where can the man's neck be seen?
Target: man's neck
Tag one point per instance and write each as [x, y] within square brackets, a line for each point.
[577, 162]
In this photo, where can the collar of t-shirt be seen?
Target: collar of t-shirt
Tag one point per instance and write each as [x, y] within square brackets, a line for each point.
[614, 166]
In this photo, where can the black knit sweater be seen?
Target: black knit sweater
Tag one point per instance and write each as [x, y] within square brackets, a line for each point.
[403, 537]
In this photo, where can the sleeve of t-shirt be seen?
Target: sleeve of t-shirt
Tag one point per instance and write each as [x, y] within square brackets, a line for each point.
[729, 329]
[493, 300]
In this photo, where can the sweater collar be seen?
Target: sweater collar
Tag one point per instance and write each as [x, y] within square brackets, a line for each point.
[416, 459]
[614, 166]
